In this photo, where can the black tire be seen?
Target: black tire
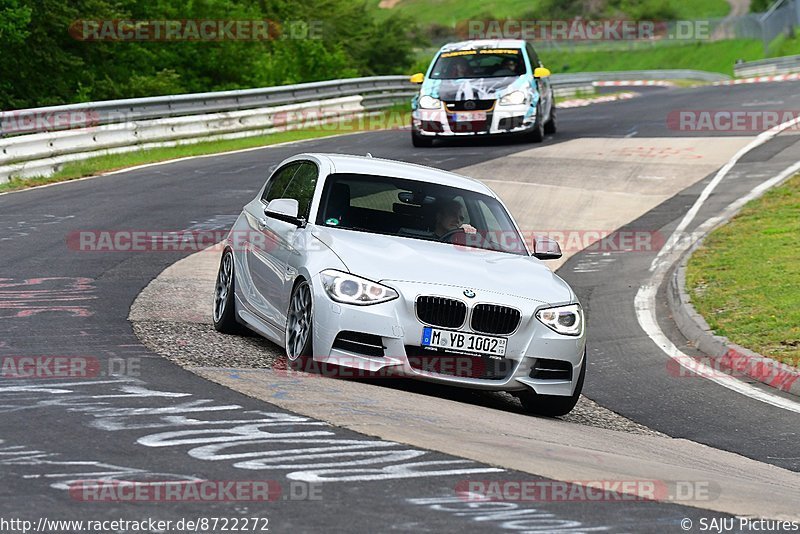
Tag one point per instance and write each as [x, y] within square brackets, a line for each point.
[299, 325]
[536, 135]
[550, 126]
[552, 405]
[421, 141]
[224, 312]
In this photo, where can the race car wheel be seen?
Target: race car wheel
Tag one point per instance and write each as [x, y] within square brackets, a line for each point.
[537, 134]
[552, 405]
[299, 335]
[550, 125]
[224, 300]
[421, 141]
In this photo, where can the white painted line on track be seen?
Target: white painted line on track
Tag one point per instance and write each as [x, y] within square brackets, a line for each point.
[677, 244]
[721, 174]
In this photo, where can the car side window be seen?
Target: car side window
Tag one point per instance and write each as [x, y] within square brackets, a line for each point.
[464, 210]
[497, 233]
[279, 182]
[491, 221]
[533, 56]
[302, 186]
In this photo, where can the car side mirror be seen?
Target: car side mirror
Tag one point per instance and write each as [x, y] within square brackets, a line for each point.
[417, 78]
[541, 72]
[284, 209]
[546, 248]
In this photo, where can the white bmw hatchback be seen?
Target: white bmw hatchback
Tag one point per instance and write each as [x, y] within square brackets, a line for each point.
[390, 267]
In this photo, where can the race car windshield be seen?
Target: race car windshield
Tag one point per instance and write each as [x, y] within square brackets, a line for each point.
[494, 63]
[417, 210]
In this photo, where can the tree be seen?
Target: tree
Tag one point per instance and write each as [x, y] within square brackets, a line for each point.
[43, 64]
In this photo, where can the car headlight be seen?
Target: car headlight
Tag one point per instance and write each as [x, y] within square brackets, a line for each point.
[567, 320]
[351, 289]
[513, 99]
[428, 102]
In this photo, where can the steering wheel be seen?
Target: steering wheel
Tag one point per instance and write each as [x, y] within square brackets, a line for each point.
[452, 232]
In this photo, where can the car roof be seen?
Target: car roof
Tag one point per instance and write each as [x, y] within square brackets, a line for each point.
[483, 43]
[346, 163]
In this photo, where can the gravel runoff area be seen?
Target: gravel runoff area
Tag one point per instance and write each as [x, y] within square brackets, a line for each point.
[195, 345]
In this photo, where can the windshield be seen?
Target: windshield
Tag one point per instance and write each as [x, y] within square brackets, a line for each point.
[417, 210]
[485, 63]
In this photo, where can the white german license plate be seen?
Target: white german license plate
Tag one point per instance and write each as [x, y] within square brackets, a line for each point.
[467, 117]
[463, 341]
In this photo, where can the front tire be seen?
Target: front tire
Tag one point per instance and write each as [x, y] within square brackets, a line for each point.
[552, 405]
[420, 141]
[299, 323]
[537, 134]
[224, 313]
[550, 125]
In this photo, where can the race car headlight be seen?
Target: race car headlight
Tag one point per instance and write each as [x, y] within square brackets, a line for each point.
[428, 102]
[567, 320]
[350, 289]
[513, 99]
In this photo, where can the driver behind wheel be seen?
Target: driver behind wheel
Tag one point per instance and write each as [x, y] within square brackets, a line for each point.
[450, 218]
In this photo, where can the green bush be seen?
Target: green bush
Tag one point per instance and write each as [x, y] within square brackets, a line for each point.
[785, 45]
[760, 6]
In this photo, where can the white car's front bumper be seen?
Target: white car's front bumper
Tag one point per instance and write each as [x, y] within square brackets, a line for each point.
[531, 347]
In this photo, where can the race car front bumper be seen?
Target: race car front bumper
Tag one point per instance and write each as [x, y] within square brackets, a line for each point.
[498, 120]
[386, 339]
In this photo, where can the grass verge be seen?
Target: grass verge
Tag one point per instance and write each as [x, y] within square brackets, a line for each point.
[745, 279]
[717, 56]
[449, 12]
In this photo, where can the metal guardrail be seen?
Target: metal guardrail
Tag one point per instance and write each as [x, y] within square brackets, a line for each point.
[376, 91]
[766, 67]
[41, 154]
[54, 118]
[40, 141]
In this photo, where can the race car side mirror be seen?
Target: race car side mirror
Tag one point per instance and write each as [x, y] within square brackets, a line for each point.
[417, 78]
[541, 72]
[286, 210]
[546, 248]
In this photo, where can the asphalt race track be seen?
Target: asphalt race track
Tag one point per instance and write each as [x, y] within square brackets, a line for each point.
[145, 418]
